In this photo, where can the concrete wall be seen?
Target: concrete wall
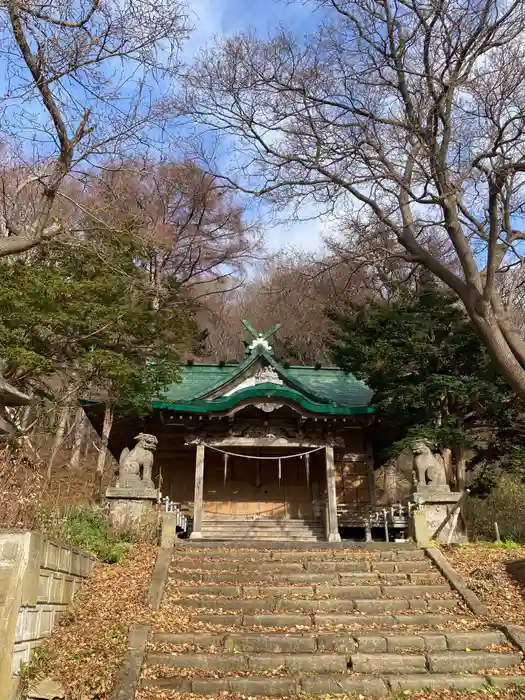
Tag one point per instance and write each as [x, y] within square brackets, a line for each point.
[38, 579]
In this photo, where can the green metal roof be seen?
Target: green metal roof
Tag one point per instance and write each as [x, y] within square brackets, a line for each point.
[199, 380]
[320, 390]
[324, 390]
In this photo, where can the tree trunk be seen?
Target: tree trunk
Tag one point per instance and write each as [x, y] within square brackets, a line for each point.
[87, 444]
[78, 438]
[503, 357]
[101, 461]
[461, 467]
[446, 456]
[59, 436]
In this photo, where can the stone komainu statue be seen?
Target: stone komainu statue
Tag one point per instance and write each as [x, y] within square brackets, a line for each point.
[135, 465]
[429, 470]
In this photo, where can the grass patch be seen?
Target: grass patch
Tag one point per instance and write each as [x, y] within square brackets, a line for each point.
[86, 527]
[503, 505]
[36, 668]
[507, 543]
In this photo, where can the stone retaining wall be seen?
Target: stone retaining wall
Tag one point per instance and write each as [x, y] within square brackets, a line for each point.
[38, 579]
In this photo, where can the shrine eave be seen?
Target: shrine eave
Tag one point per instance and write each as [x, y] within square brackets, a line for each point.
[261, 393]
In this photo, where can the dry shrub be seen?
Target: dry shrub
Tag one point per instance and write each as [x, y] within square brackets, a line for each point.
[504, 505]
[21, 491]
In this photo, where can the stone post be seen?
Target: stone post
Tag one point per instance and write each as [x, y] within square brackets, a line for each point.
[333, 525]
[199, 492]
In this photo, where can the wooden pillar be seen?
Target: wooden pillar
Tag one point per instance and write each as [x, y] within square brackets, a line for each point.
[199, 491]
[371, 475]
[333, 525]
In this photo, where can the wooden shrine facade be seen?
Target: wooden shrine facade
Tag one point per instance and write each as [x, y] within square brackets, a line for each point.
[258, 439]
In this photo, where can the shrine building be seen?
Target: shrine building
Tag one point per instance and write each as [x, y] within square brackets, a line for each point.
[258, 449]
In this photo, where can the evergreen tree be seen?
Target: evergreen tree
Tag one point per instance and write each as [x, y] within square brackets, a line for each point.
[83, 310]
[431, 375]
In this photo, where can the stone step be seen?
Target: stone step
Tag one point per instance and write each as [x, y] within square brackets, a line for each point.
[241, 536]
[375, 588]
[367, 579]
[366, 685]
[271, 567]
[258, 529]
[372, 607]
[260, 523]
[320, 663]
[370, 551]
[326, 549]
[273, 538]
[346, 592]
[314, 567]
[263, 531]
[343, 620]
[276, 643]
[236, 577]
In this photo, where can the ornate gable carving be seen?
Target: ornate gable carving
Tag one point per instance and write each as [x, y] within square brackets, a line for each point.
[264, 375]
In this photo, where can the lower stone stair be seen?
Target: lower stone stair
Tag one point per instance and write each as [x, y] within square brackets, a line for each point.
[262, 529]
[373, 621]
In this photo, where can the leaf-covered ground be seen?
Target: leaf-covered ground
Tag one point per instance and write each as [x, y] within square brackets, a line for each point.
[86, 649]
[484, 568]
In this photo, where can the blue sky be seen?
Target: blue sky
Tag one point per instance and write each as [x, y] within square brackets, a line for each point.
[213, 18]
[222, 17]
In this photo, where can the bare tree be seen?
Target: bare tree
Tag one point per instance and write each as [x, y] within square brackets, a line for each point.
[398, 114]
[299, 291]
[195, 231]
[103, 450]
[81, 81]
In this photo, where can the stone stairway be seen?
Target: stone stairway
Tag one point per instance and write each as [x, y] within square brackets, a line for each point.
[262, 529]
[373, 620]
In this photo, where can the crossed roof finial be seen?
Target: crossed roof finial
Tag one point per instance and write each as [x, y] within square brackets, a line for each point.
[260, 339]
[264, 336]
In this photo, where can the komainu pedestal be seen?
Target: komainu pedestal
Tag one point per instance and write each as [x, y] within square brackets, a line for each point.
[132, 500]
[131, 508]
[434, 497]
[437, 506]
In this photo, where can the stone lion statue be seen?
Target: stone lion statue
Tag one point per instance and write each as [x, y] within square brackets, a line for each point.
[135, 465]
[429, 470]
